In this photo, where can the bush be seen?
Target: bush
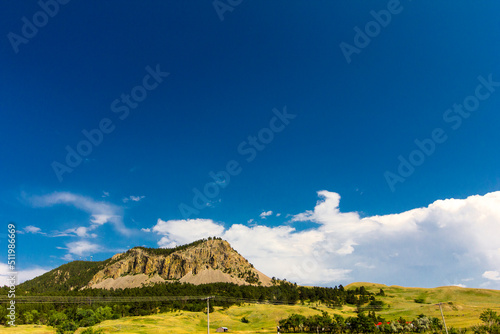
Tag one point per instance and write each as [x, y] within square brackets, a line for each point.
[376, 305]
[67, 327]
[57, 318]
[92, 331]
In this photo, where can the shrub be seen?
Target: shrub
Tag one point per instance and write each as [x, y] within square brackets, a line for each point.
[90, 330]
[67, 326]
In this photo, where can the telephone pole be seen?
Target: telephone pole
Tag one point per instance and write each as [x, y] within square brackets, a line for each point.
[442, 315]
[208, 313]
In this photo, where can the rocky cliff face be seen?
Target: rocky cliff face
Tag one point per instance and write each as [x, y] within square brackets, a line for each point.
[206, 256]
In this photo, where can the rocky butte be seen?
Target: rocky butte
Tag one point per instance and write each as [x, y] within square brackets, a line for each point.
[206, 261]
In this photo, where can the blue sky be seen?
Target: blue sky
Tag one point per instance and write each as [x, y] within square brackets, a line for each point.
[334, 124]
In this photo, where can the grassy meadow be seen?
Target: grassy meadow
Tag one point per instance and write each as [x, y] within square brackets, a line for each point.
[462, 307]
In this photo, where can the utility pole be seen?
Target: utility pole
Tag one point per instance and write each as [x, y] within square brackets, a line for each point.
[442, 315]
[208, 314]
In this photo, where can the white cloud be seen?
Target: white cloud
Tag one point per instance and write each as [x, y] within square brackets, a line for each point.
[179, 232]
[133, 198]
[81, 232]
[22, 275]
[347, 248]
[101, 212]
[427, 246]
[105, 194]
[492, 275]
[102, 219]
[265, 214]
[83, 247]
[68, 257]
[33, 229]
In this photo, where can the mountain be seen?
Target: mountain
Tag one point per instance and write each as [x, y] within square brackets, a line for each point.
[203, 261]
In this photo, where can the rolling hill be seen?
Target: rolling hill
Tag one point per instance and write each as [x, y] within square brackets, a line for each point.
[461, 306]
[461, 309]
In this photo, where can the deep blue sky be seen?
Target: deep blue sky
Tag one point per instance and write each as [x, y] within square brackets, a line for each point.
[352, 121]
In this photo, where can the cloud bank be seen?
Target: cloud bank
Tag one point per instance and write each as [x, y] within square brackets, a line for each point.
[449, 242]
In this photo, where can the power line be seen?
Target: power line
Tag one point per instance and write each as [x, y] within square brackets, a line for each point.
[125, 299]
[96, 299]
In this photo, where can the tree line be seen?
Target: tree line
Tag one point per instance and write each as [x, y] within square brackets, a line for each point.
[372, 323]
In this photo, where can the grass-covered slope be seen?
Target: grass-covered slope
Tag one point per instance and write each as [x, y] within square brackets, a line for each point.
[461, 306]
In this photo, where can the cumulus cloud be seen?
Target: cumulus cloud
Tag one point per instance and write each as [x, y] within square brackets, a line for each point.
[100, 212]
[178, 232]
[442, 241]
[429, 246]
[492, 275]
[265, 214]
[82, 248]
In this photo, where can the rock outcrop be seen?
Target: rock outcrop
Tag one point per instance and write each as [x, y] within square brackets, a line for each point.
[206, 262]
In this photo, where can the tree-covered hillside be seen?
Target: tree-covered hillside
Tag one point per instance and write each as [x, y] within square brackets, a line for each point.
[69, 276]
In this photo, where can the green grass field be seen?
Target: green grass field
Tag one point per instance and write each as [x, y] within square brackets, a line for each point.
[461, 309]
